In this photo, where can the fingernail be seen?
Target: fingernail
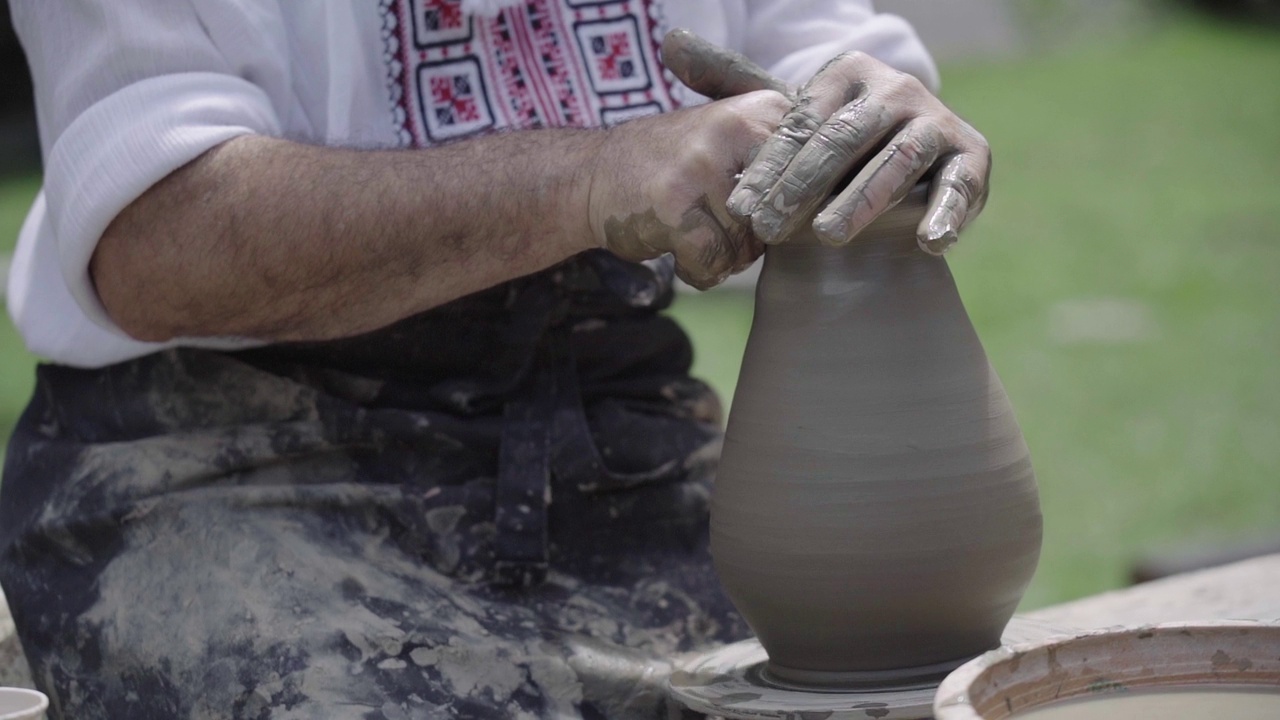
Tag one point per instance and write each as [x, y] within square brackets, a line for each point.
[831, 230]
[939, 243]
[743, 201]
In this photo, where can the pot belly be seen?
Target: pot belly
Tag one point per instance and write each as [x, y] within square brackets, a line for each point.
[889, 547]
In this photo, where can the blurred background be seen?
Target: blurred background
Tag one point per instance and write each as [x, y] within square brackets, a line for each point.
[1125, 277]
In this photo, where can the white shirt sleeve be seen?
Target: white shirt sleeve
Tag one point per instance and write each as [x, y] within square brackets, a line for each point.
[129, 91]
[793, 39]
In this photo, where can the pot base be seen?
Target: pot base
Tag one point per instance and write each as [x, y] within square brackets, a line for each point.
[736, 682]
[770, 673]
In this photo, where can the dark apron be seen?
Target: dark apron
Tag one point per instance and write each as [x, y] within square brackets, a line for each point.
[559, 370]
[519, 475]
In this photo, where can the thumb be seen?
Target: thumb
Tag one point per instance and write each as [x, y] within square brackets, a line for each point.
[712, 70]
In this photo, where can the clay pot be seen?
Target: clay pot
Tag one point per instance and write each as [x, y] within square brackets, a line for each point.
[875, 516]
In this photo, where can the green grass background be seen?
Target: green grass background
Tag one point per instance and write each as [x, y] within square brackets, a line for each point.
[1145, 171]
[16, 364]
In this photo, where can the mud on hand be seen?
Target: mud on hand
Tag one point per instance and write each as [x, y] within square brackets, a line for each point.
[856, 116]
[660, 185]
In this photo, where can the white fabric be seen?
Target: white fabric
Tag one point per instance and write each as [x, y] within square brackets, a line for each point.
[127, 91]
[486, 8]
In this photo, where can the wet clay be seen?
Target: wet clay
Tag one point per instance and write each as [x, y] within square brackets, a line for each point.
[712, 70]
[875, 516]
[643, 235]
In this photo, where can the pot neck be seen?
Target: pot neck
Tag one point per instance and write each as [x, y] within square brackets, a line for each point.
[893, 232]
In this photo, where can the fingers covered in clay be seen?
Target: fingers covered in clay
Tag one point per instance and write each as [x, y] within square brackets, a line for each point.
[957, 195]
[881, 183]
[833, 112]
[858, 118]
[721, 248]
[660, 185]
[714, 71]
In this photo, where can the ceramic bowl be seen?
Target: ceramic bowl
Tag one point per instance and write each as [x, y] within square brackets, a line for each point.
[21, 703]
[1014, 680]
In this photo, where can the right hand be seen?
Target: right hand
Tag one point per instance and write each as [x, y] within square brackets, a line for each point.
[660, 185]
[855, 114]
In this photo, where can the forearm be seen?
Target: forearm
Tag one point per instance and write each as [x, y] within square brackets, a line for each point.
[275, 240]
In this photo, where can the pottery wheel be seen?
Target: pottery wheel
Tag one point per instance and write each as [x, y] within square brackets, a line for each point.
[729, 682]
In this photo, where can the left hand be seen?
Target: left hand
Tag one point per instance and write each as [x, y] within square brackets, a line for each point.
[855, 114]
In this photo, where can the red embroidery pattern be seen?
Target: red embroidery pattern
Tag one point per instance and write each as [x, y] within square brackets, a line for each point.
[442, 15]
[613, 55]
[543, 63]
[509, 69]
[452, 99]
[564, 80]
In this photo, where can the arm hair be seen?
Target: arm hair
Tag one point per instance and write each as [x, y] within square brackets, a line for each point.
[276, 240]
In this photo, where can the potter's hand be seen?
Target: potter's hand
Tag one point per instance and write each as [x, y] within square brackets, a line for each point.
[855, 114]
[660, 185]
